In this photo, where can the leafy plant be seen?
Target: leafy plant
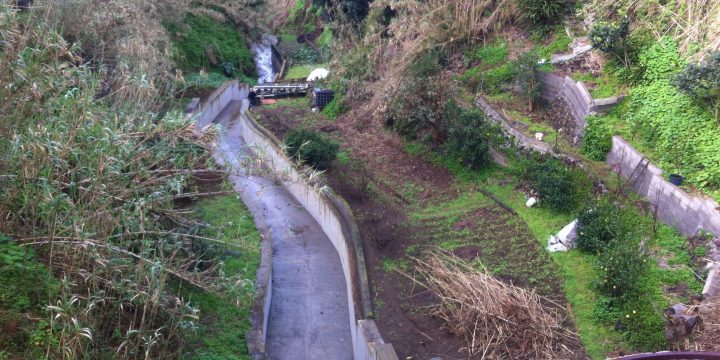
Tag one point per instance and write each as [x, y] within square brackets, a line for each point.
[622, 265]
[543, 12]
[597, 141]
[336, 107]
[560, 188]
[311, 148]
[702, 82]
[612, 39]
[600, 225]
[492, 54]
[489, 81]
[469, 137]
[526, 75]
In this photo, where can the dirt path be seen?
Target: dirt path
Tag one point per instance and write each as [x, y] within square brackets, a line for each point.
[309, 310]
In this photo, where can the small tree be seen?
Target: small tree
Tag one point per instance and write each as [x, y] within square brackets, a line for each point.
[553, 180]
[702, 82]
[469, 137]
[612, 39]
[526, 75]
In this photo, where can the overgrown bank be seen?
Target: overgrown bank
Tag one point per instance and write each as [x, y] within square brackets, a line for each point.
[100, 259]
[415, 67]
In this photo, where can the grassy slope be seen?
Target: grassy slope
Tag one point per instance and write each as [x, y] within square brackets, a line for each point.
[224, 323]
[197, 36]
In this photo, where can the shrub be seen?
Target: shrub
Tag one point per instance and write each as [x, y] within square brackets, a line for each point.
[336, 107]
[597, 141]
[622, 267]
[526, 75]
[419, 108]
[468, 136]
[311, 148]
[560, 188]
[599, 225]
[543, 12]
[612, 39]
[702, 82]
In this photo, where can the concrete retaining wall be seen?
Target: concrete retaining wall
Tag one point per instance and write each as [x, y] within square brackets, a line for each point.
[675, 207]
[577, 96]
[330, 211]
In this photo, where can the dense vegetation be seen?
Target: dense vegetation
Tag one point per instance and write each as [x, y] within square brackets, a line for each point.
[98, 261]
[311, 148]
[676, 131]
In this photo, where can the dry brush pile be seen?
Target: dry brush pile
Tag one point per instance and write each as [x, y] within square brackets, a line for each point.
[497, 320]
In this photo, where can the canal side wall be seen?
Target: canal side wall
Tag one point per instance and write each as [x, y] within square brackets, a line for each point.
[330, 211]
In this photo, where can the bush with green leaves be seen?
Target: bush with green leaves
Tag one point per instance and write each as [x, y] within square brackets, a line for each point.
[469, 137]
[597, 141]
[702, 82]
[622, 266]
[612, 39]
[419, 108]
[526, 75]
[543, 13]
[336, 107]
[560, 187]
[311, 148]
[600, 225]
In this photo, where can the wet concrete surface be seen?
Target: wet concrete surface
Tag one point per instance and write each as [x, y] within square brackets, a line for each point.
[309, 316]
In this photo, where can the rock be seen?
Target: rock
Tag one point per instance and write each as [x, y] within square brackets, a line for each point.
[531, 202]
[681, 321]
[329, 128]
[717, 242]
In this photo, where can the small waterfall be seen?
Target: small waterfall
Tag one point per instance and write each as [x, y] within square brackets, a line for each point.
[262, 52]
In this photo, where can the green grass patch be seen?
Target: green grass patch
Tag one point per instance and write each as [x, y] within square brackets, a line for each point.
[493, 54]
[598, 338]
[604, 86]
[197, 36]
[560, 44]
[299, 71]
[223, 323]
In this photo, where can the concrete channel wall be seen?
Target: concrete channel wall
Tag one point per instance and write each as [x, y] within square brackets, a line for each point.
[577, 97]
[674, 206]
[330, 211]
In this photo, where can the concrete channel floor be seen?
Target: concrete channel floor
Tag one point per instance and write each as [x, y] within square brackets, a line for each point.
[309, 316]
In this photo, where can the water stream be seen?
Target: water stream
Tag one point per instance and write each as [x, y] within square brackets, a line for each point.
[262, 52]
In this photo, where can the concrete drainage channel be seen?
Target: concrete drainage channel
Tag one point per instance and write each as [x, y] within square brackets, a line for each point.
[283, 328]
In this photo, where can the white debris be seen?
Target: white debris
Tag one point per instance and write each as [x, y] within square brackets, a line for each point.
[539, 136]
[318, 74]
[565, 239]
[531, 202]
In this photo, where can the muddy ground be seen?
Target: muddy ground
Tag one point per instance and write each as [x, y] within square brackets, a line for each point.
[407, 205]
